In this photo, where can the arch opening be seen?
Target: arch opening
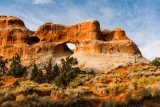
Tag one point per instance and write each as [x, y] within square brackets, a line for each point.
[33, 40]
[71, 46]
[66, 49]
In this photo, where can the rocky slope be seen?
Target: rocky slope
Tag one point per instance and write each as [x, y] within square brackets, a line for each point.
[95, 49]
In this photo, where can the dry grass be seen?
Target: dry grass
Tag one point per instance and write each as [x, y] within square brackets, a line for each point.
[118, 87]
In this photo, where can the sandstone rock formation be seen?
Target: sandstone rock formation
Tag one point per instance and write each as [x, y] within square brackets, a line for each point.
[95, 49]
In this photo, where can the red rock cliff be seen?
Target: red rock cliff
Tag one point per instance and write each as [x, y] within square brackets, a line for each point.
[50, 40]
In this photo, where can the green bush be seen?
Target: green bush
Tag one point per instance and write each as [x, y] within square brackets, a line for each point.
[68, 63]
[156, 62]
[116, 89]
[50, 75]
[67, 71]
[16, 69]
[16, 83]
[79, 102]
[65, 77]
[61, 75]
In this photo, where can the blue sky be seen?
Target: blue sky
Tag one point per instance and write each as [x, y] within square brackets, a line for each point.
[139, 18]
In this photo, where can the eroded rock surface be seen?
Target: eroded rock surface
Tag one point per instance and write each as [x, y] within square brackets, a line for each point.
[95, 49]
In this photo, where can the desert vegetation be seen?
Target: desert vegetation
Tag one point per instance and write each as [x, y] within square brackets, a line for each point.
[156, 62]
[60, 75]
[65, 84]
[16, 69]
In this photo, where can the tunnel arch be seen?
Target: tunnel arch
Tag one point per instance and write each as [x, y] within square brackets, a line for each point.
[71, 46]
[33, 40]
[66, 48]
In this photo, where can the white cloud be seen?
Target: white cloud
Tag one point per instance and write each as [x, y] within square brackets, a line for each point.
[41, 1]
[151, 49]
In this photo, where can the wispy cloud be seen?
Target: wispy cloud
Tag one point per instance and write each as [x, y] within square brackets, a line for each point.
[41, 1]
[151, 49]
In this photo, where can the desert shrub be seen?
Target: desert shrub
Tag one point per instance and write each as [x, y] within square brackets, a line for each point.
[30, 100]
[100, 79]
[35, 100]
[83, 78]
[16, 83]
[152, 90]
[117, 80]
[68, 71]
[116, 89]
[61, 75]
[9, 96]
[104, 91]
[3, 66]
[48, 102]
[8, 104]
[156, 62]
[68, 63]
[138, 95]
[75, 83]
[37, 75]
[28, 90]
[79, 102]
[64, 78]
[110, 103]
[132, 86]
[16, 69]
[144, 80]
[1, 84]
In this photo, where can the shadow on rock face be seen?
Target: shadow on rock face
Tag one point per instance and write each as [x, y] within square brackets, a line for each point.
[33, 40]
[63, 49]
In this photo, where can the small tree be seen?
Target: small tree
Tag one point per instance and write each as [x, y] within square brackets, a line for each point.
[68, 63]
[16, 69]
[37, 75]
[56, 70]
[34, 72]
[49, 71]
[40, 77]
[3, 66]
[68, 71]
[66, 77]
[52, 71]
[61, 75]
[156, 62]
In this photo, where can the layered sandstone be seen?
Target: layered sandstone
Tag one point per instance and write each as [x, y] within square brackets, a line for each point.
[95, 49]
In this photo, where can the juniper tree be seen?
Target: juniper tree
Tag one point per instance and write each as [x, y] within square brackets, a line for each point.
[3, 66]
[16, 69]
